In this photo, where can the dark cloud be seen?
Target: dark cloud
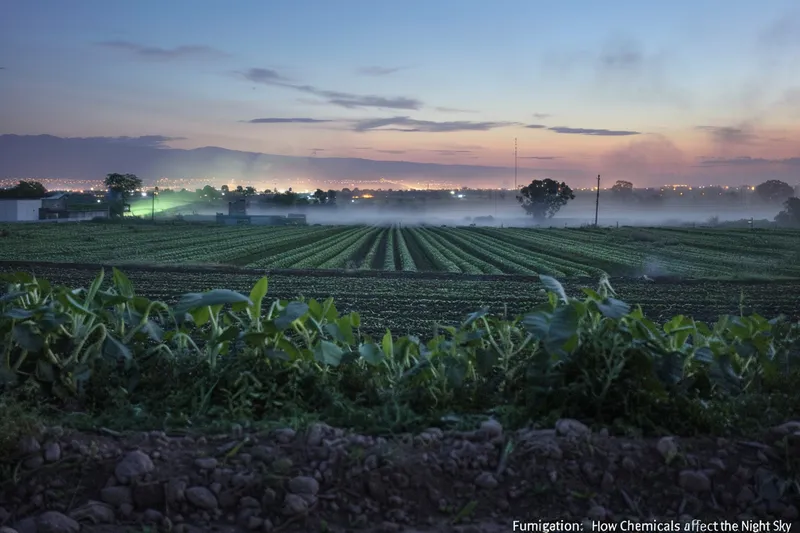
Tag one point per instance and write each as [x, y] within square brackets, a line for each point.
[542, 116]
[536, 126]
[263, 75]
[729, 135]
[286, 121]
[409, 125]
[452, 152]
[596, 132]
[378, 71]
[749, 161]
[454, 110]
[157, 53]
[622, 55]
[540, 157]
[338, 98]
[391, 151]
[150, 141]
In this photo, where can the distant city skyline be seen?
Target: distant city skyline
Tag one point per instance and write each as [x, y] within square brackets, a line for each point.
[653, 93]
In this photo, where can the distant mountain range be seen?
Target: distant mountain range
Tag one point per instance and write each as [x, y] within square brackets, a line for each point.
[47, 156]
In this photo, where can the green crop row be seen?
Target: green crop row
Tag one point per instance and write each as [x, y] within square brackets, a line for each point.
[229, 355]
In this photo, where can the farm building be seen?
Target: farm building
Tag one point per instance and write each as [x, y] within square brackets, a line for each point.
[19, 210]
[73, 207]
[237, 215]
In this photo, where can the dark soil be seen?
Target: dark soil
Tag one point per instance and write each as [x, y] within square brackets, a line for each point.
[326, 479]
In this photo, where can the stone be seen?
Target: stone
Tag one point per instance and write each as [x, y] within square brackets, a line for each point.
[202, 498]
[134, 465]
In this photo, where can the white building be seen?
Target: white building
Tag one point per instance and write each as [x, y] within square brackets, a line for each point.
[13, 210]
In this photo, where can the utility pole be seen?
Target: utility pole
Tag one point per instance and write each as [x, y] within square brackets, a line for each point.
[597, 202]
[153, 211]
[515, 165]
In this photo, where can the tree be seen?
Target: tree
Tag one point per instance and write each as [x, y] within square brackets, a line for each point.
[224, 188]
[543, 198]
[774, 191]
[623, 189]
[24, 189]
[331, 197]
[791, 215]
[320, 196]
[239, 189]
[123, 184]
[250, 191]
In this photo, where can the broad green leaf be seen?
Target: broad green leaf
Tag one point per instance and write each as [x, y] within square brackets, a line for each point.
[122, 283]
[355, 320]
[95, 286]
[346, 330]
[18, 314]
[475, 316]
[315, 309]
[69, 301]
[387, 344]
[290, 349]
[328, 353]
[257, 295]
[613, 308]
[114, 349]
[27, 337]
[371, 353]
[292, 312]
[200, 315]
[552, 285]
[211, 298]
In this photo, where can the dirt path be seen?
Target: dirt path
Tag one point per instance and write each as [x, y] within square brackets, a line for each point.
[326, 479]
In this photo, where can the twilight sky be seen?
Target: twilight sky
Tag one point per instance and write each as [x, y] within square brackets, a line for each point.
[656, 92]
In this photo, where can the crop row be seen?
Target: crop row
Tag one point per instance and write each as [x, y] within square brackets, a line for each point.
[560, 252]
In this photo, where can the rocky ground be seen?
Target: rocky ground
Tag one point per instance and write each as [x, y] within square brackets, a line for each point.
[327, 479]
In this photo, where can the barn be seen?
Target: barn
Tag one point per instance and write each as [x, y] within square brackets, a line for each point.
[19, 210]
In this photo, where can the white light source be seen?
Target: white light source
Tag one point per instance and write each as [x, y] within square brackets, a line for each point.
[144, 194]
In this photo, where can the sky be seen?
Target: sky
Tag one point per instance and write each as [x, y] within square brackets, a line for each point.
[651, 92]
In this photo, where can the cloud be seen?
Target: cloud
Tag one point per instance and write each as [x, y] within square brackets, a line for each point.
[452, 152]
[378, 71]
[409, 125]
[729, 135]
[536, 126]
[542, 116]
[596, 132]
[391, 151]
[150, 141]
[157, 53]
[540, 157]
[454, 110]
[782, 33]
[286, 121]
[337, 98]
[749, 161]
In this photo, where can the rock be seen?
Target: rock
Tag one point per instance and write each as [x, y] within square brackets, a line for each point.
[5, 529]
[174, 491]
[94, 512]
[668, 448]
[206, 463]
[28, 445]
[285, 435]
[55, 522]
[134, 465]
[492, 428]
[52, 452]
[254, 523]
[486, 480]
[597, 513]
[316, 432]
[26, 525]
[201, 497]
[294, 505]
[151, 516]
[569, 427]
[116, 496]
[694, 481]
[304, 486]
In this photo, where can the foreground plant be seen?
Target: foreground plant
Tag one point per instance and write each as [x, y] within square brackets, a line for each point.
[222, 354]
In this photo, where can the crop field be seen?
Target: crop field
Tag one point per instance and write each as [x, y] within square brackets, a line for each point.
[686, 253]
[415, 306]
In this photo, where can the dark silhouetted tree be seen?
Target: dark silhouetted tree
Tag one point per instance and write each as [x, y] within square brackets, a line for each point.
[249, 191]
[774, 191]
[543, 198]
[320, 196]
[331, 197]
[225, 188]
[622, 189]
[24, 189]
[791, 215]
[123, 186]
